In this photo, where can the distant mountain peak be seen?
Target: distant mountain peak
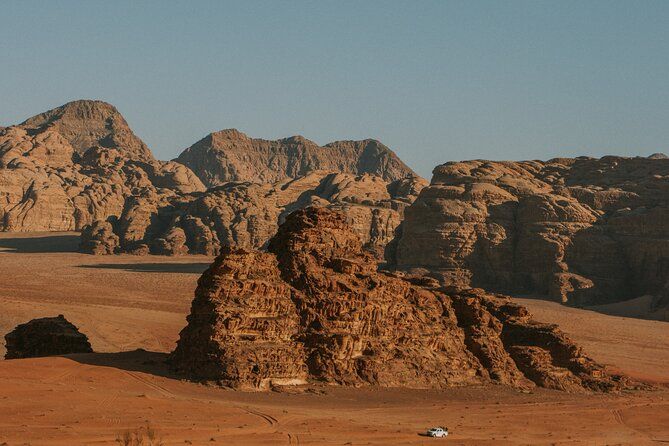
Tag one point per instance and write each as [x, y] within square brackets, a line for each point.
[88, 123]
[230, 155]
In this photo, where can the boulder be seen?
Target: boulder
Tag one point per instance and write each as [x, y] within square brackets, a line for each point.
[47, 336]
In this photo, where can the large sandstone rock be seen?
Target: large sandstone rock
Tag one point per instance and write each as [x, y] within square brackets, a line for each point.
[47, 336]
[229, 155]
[246, 215]
[87, 124]
[583, 231]
[243, 325]
[315, 308]
[80, 167]
[74, 165]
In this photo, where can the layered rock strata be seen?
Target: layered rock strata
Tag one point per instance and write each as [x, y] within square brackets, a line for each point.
[583, 231]
[74, 165]
[315, 308]
[80, 167]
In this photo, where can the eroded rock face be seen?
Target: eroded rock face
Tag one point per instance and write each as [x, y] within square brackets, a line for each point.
[243, 326]
[85, 124]
[47, 336]
[77, 164]
[315, 308]
[230, 155]
[246, 215]
[583, 231]
[80, 167]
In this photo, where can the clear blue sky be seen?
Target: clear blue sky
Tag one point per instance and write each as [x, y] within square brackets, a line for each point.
[434, 80]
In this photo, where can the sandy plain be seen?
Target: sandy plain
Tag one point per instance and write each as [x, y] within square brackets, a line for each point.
[132, 309]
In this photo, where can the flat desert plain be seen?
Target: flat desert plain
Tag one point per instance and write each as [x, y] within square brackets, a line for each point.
[132, 309]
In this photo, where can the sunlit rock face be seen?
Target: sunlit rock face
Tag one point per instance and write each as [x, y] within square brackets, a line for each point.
[71, 166]
[246, 215]
[582, 231]
[315, 308]
[230, 155]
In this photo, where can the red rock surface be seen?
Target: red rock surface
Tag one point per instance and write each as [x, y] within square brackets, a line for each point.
[318, 299]
[80, 167]
[85, 124]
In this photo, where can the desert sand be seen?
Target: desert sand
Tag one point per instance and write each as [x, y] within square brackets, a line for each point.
[124, 303]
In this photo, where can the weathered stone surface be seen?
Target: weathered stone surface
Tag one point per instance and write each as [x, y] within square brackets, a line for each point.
[99, 238]
[247, 214]
[230, 155]
[74, 165]
[45, 337]
[80, 167]
[87, 124]
[315, 308]
[243, 325]
[582, 231]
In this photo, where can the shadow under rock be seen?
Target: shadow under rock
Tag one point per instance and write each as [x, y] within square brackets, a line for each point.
[49, 243]
[140, 360]
[187, 268]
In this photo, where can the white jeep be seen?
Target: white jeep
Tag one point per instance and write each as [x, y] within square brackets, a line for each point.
[437, 432]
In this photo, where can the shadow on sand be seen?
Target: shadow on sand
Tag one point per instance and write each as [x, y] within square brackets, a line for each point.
[49, 243]
[188, 268]
[139, 360]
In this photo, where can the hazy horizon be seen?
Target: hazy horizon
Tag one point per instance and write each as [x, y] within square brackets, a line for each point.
[434, 81]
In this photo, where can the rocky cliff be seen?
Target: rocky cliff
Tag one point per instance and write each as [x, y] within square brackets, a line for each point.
[583, 231]
[246, 214]
[315, 308]
[77, 164]
[230, 155]
[80, 167]
[85, 124]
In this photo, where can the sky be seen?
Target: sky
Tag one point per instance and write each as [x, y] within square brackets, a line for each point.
[435, 81]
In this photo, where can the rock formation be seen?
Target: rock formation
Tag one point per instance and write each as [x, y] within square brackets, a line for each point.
[71, 166]
[243, 325]
[85, 124]
[230, 155]
[247, 214]
[47, 336]
[582, 231]
[315, 308]
[80, 167]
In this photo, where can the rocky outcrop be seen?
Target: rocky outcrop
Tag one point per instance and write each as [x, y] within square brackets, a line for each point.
[47, 336]
[85, 124]
[243, 325]
[77, 164]
[230, 155]
[583, 231]
[80, 167]
[246, 215]
[315, 308]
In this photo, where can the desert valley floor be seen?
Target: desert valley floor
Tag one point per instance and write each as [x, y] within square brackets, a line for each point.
[132, 308]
